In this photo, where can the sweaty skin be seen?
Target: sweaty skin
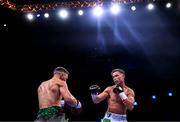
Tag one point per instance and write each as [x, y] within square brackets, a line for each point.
[52, 91]
[115, 104]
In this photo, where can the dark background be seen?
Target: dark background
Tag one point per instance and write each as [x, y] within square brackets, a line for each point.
[146, 44]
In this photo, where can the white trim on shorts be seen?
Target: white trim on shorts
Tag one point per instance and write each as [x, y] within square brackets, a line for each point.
[116, 117]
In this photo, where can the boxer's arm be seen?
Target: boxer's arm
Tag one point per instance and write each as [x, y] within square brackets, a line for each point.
[129, 102]
[101, 96]
[68, 97]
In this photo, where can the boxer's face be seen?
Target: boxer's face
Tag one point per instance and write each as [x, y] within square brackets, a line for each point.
[63, 76]
[118, 77]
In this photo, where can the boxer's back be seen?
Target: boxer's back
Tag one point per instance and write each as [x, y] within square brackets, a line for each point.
[49, 94]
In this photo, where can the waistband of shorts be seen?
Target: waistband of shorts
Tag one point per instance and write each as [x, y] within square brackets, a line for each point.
[50, 111]
[115, 116]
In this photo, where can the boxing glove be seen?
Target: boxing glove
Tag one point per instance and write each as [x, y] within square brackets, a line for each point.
[77, 109]
[62, 103]
[118, 90]
[95, 90]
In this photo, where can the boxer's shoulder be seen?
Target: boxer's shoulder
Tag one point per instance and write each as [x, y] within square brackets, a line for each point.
[109, 89]
[129, 90]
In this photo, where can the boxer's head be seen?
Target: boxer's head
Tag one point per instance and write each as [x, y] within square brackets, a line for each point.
[118, 76]
[62, 72]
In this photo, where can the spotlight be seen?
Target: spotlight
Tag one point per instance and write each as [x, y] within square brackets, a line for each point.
[80, 12]
[150, 6]
[115, 9]
[30, 16]
[98, 11]
[154, 97]
[5, 25]
[133, 8]
[38, 15]
[63, 14]
[168, 5]
[170, 94]
[135, 103]
[46, 15]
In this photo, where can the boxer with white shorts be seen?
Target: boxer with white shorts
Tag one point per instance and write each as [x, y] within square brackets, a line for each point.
[120, 97]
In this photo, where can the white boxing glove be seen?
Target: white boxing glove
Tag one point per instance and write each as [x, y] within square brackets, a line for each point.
[79, 105]
[119, 90]
[62, 103]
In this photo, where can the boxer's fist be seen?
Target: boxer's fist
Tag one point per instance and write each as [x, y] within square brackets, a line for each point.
[62, 103]
[118, 90]
[94, 89]
[77, 109]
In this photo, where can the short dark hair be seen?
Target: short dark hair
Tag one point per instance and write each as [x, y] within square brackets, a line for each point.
[118, 70]
[60, 69]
